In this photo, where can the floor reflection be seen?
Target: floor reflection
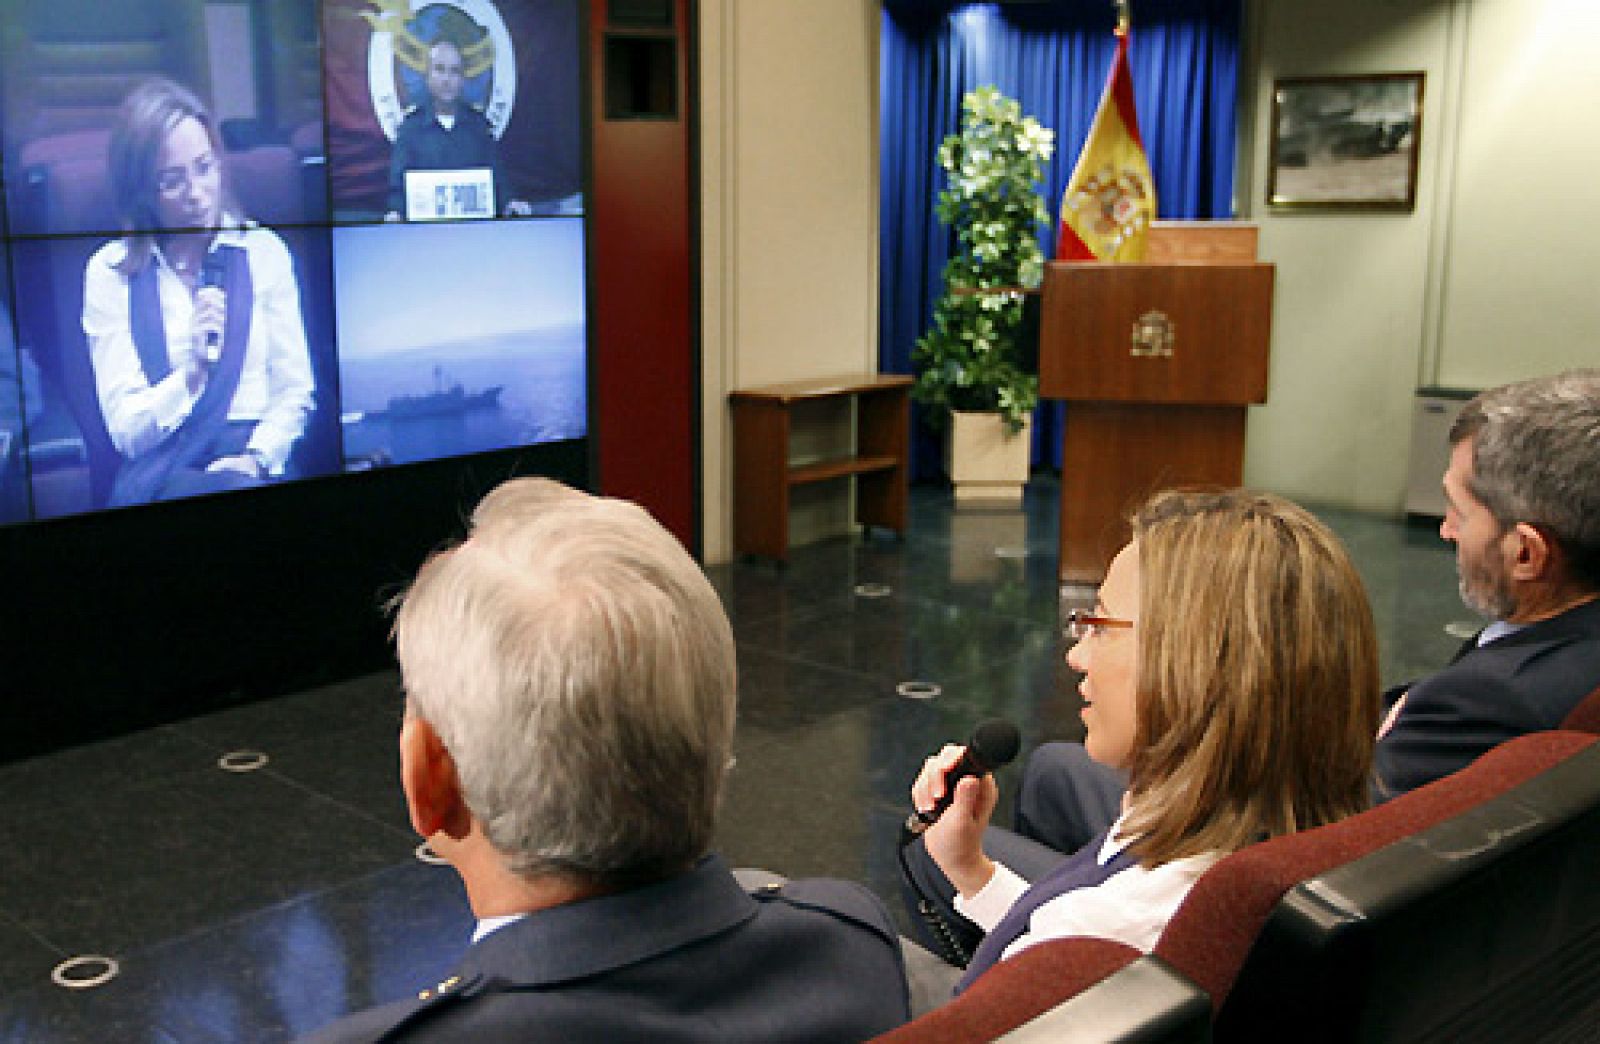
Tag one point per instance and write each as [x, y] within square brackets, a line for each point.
[255, 907]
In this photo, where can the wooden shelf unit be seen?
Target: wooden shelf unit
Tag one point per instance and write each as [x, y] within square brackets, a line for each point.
[763, 475]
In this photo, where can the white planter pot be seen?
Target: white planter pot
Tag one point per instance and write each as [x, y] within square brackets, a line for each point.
[988, 462]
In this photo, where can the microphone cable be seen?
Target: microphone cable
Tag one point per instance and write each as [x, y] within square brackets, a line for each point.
[994, 744]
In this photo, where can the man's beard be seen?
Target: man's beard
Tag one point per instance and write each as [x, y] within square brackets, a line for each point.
[1485, 589]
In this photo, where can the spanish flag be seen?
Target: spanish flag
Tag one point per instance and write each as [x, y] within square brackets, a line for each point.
[1110, 199]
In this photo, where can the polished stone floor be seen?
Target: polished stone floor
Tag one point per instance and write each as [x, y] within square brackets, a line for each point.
[252, 906]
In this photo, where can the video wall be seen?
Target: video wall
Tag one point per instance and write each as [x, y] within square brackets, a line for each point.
[249, 243]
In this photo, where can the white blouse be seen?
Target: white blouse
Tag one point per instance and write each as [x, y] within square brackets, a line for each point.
[275, 386]
[1131, 907]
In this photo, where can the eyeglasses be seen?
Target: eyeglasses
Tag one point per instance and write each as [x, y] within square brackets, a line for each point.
[175, 181]
[1081, 625]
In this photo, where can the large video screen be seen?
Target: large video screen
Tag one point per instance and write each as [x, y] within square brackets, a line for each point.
[248, 243]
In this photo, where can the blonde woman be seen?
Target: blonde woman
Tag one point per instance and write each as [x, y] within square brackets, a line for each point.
[192, 316]
[1230, 668]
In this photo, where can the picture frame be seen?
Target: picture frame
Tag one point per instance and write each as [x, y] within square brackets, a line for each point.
[1345, 142]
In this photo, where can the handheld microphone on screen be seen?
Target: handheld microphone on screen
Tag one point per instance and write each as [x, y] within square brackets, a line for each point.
[211, 278]
[994, 744]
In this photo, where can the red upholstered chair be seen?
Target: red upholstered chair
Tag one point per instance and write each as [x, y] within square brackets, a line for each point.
[67, 187]
[1466, 909]
[1069, 990]
[1585, 717]
[267, 182]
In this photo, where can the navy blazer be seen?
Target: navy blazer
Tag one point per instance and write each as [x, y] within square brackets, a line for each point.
[1524, 682]
[422, 143]
[692, 958]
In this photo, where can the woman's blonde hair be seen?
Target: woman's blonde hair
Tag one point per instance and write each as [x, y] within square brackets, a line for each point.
[1257, 691]
[150, 112]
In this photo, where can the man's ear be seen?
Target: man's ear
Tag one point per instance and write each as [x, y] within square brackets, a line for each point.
[428, 776]
[1532, 555]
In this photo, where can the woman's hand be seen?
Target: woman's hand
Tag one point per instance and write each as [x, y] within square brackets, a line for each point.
[956, 841]
[243, 463]
[192, 364]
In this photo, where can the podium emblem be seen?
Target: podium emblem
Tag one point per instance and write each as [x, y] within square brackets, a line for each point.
[1153, 336]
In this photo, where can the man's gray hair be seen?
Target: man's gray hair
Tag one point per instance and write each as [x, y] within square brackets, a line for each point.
[580, 670]
[1536, 459]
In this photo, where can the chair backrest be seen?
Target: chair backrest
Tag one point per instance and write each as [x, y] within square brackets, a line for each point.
[1585, 717]
[1069, 990]
[1399, 923]
[67, 191]
[267, 182]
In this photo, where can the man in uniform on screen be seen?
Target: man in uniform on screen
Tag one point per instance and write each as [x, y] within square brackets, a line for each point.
[444, 133]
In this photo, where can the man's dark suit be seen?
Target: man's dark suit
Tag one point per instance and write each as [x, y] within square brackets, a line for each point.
[421, 142]
[693, 958]
[1524, 682]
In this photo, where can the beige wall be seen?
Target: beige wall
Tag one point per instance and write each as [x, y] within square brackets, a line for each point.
[1490, 279]
[1520, 287]
[789, 190]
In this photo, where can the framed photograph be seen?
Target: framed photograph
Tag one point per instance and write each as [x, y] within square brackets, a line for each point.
[1345, 141]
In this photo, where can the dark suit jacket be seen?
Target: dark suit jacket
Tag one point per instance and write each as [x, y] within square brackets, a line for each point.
[693, 958]
[1524, 682]
[422, 143]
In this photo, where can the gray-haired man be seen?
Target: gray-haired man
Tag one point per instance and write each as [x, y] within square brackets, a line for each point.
[570, 712]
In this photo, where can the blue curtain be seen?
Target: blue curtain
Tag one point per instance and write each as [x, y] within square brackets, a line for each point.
[1054, 59]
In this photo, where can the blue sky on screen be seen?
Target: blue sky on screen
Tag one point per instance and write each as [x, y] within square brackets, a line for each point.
[416, 286]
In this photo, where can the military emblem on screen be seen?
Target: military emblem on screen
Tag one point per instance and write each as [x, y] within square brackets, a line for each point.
[397, 59]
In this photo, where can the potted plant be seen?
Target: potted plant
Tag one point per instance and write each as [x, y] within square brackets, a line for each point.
[970, 362]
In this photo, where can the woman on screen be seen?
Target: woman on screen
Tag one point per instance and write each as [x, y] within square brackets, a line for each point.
[192, 317]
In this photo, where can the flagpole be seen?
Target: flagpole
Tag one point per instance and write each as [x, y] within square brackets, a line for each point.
[1124, 17]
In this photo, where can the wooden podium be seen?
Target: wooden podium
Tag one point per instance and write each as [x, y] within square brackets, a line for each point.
[1157, 361]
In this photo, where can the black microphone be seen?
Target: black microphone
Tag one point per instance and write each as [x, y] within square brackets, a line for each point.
[211, 276]
[994, 744]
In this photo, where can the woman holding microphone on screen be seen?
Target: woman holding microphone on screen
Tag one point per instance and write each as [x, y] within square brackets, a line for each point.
[192, 317]
[1230, 667]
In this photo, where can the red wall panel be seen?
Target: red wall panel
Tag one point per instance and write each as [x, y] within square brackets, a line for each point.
[644, 290]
